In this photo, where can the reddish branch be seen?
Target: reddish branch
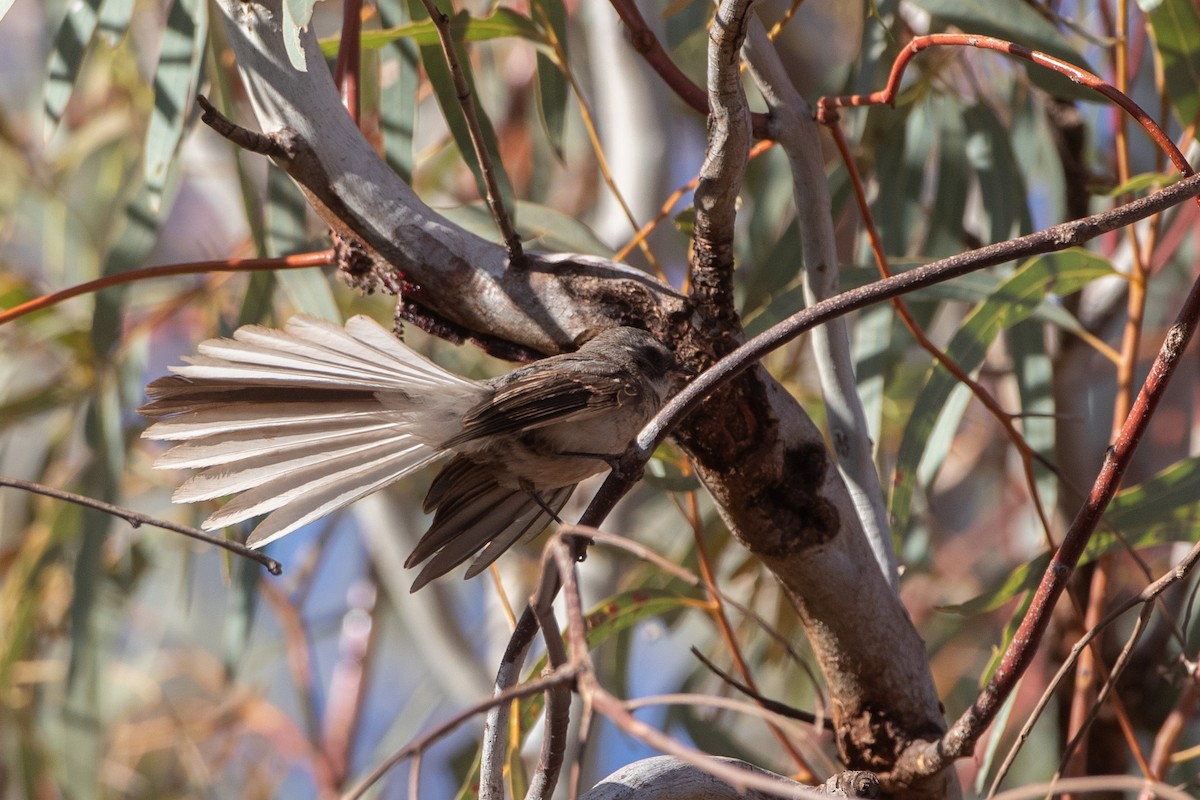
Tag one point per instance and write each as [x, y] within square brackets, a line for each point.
[322, 258]
[887, 95]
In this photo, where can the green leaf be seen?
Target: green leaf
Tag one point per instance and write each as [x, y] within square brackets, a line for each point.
[434, 61]
[502, 23]
[175, 84]
[1175, 26]
[138, 232]
[1159, 510]
[1015, 300]
[1034, 371]
[553, 92]
[1017, 22]
[307, 289]
[71, 43]
[990, 154]
[296, 16]
[1145, 181]
[398, 101]
[607, 619]
[945, 236]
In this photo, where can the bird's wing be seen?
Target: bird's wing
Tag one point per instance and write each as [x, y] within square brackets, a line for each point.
[477, 516]
[543, 397]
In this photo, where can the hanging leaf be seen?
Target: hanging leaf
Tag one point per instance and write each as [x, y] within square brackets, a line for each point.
[398, 99]
[175, 84]
[308, 289]
[553, 92]
[434, 60]
[66, 55]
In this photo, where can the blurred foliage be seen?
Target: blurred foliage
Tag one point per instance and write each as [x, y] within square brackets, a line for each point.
[135, 664]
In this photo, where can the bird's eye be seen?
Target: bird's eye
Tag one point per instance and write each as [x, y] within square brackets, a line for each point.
[656, 361]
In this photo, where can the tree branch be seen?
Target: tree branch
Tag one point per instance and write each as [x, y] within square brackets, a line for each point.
[720, 179]
[792, 125]
[137, 519]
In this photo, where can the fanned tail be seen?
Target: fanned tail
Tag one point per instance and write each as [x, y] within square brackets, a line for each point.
[300, 422]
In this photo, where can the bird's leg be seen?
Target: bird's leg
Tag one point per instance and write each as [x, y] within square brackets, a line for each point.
[528, 489]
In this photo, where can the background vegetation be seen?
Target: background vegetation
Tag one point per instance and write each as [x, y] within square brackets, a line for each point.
[135, 663]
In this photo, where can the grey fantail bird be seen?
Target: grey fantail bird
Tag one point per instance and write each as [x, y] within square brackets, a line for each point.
[303, 421]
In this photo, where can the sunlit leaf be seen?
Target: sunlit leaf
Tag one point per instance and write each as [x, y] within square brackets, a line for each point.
[175, 84]
[70, 46]
[501, 23]
[553, 93]
[297, 14]
[1146, 181]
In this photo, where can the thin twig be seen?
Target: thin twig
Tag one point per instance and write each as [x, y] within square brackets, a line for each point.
[646, 43]
[558, 706]
[774, 706]
[321, 258]
[137, 519]
[887, 95]
[559, 554]
[276, 145]
[567, 675]
[495, 729]
[1079, 735]
[466, 98]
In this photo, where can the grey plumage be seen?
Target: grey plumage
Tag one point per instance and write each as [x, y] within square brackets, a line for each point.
[301, 422]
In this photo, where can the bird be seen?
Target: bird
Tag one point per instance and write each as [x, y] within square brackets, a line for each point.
[303, 421]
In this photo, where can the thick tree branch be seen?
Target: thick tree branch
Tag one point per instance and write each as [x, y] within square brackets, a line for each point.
[720, 179]
[792, 125]
[549, 305]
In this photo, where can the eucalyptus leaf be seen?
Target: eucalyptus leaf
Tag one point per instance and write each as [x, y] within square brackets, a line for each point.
[1163, 509]
[1175, 26]
[71, 43]
[175, 83]
[502, 23]
[1014, 300]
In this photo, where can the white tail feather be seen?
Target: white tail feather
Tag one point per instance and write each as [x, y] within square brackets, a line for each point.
[301, 422]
